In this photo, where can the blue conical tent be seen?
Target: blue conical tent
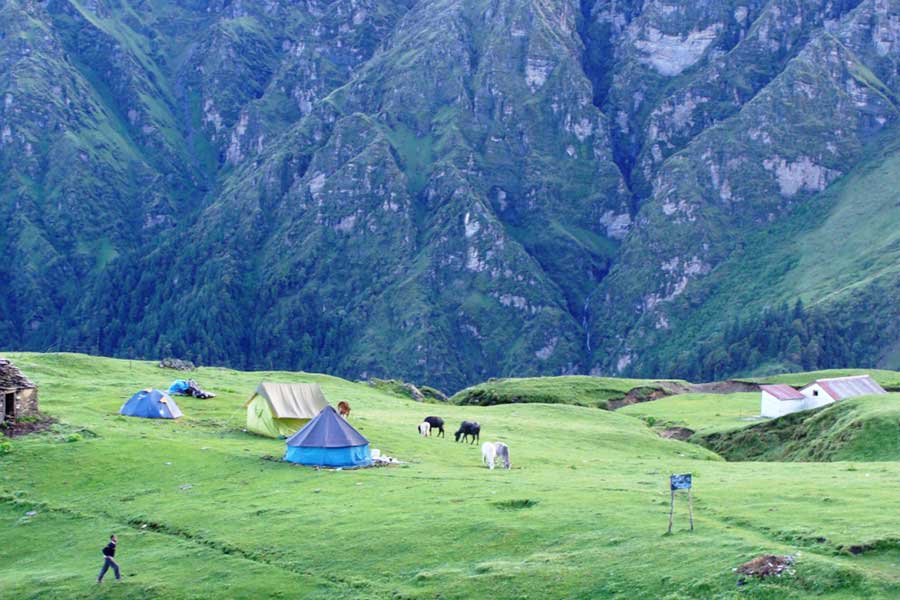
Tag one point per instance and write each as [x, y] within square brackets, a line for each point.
[328, 441]
[151, 404]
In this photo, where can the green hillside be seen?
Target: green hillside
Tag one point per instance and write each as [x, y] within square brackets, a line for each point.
[572, 389]
[859, 429]
[889, 380]
[838, 257]
[202, 509]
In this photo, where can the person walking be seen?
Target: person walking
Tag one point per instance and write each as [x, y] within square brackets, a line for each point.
[109, 554]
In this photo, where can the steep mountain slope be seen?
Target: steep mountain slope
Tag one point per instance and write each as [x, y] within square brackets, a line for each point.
[838, 255]
[420, 231]
[797, 135]
[444, 190]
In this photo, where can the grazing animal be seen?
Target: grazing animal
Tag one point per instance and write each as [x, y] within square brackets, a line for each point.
[436, 423]
[467, 428]
[488, 454]
[495, 451]
[503, 454]
[425, 428]
[344, 409]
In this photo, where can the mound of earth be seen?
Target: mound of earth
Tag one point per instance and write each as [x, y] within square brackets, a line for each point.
[860, 429]
[766, 565]
[26, 426]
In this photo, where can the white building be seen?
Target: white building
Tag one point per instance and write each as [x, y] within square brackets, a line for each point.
[781, 399]
[826, 391]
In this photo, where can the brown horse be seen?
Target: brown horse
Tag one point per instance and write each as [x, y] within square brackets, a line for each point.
[344, 409]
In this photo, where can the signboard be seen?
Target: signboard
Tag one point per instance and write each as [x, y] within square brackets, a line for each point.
[680, 482]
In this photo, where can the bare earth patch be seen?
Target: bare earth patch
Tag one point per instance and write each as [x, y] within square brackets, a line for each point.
[676, 433]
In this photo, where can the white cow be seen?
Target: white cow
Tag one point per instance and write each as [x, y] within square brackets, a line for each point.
[425, 428]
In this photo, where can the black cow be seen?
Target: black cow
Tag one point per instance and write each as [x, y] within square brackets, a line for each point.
[466, 429]
[437, 424]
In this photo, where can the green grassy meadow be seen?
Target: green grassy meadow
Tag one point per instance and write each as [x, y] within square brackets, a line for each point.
[863, 428]
[703, 413]
[203, 511]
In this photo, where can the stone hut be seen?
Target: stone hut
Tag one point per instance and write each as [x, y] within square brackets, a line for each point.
[18, 395]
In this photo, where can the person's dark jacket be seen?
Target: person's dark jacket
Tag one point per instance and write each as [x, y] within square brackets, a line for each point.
[110, 550]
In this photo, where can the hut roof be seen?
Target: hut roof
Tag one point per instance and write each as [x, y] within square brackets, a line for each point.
[11, 378]
[782, 392]
[849, 387]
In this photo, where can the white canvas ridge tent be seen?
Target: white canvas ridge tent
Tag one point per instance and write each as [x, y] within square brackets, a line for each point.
[280, 409]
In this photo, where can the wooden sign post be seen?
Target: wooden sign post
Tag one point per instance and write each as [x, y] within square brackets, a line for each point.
[680, 482]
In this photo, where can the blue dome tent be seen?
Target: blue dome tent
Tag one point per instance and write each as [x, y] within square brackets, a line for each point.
[151, 404]
[328, 441]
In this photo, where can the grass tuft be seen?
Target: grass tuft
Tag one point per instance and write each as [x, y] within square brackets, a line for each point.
[515, 504]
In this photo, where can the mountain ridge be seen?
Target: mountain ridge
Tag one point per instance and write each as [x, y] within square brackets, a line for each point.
[443, 191]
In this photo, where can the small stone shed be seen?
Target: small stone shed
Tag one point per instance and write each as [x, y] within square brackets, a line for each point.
[18, 395]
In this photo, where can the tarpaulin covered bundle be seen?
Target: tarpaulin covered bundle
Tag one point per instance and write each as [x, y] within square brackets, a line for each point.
[189, 388]
[280, 409]
[179, 386]
[328, 441]
[151, 404]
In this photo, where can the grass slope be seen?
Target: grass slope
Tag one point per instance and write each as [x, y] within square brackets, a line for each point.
[702, 413]
[889, 380]
[580, 515]
[859, 429]
[863, 217]
[579, 390]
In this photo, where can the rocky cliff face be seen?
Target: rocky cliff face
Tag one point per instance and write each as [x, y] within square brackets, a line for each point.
[440, 190]
[793, 137]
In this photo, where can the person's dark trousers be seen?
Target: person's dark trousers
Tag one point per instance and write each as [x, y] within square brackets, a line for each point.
[106, 565]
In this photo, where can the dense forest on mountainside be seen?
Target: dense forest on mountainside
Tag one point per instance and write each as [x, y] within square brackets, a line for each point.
[449, 190]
